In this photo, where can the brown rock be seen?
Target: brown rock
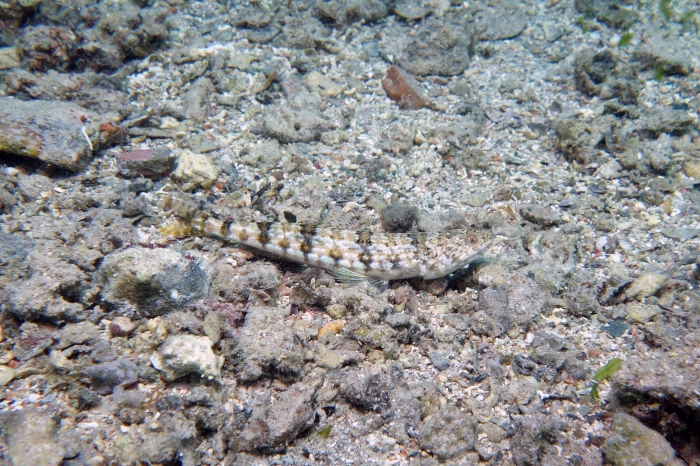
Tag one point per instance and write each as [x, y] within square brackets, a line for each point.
[59, 133]
[146, 162]
[403, 89]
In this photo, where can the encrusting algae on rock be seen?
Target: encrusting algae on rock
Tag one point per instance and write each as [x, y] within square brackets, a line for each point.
[350, 255]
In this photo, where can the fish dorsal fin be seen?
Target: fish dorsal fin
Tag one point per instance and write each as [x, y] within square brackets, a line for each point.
[337, 219]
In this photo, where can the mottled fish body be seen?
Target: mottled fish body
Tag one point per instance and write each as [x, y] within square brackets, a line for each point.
[383, 256]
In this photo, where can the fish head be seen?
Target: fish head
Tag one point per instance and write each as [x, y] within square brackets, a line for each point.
[452, 250]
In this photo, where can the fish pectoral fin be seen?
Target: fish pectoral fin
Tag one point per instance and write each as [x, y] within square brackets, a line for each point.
[348, 276]
[353, 278]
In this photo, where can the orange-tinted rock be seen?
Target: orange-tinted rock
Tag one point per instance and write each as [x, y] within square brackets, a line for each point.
[404, 89]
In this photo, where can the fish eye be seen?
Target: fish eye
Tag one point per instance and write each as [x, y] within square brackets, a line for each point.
[471, 240]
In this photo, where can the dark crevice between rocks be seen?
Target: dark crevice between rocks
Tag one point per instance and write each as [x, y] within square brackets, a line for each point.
[680, 425]
[27, 164]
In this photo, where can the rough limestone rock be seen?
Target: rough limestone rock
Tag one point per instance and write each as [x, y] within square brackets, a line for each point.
[151, 282]
[30, 439]
[58, 133]
[633, 443]
[186, 354]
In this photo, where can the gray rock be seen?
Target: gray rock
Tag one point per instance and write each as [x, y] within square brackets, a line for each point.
[58, 133]
[398, 218]
[7, 375]
[31, 440]
[187, 354]
[610, 13]
[45, 47]
[411, 9]
[153, 163]
[303, 33]
[664, 377]
[493, 432]
[13, 250]
[335, 358]
[253, 17]
[263, 156]
[521, 391]
[152, 282]
[609, 170]
[238, 284]
[642, 312]
[76, 240]
[195, 168]
[464, 132]
[439, 360]
[578, 141]
[172, 437]
[615, 328]
[196, 98]
[438, 48]
[645, 285]
[271, 426]
[492, 318]
[353, 10]
[9, 58]
[666, 120]
[523, 364]
[129, 399]
[680, 233]
[279, 353]
[289, 125]
[540, 215]
[633, 443]
[552, 32]
[482, 323]
[121, 326]
[108, 34]
[502, 20]
[77, 334]
[664, 52]
[599, 74]
[108, 375]
[368, 389]
[478, 199]
[213, 326]
[398, 320]
[526, 299]
[449, 433]
[532, 434]
[552, 359]
[101, 350]
[407, 92]
[459, 321]
[583, 304]
[33, 341]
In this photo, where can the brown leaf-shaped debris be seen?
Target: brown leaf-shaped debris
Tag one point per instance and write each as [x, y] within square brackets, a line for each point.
[404, 89]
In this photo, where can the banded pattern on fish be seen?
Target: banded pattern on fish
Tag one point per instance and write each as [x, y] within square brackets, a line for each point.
[385, 256]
